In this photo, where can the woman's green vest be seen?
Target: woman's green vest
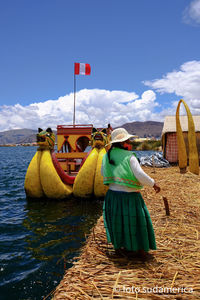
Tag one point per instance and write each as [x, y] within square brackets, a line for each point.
[121, 172]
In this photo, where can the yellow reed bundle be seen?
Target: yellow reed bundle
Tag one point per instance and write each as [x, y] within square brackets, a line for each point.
[193, 153]
[182, 154]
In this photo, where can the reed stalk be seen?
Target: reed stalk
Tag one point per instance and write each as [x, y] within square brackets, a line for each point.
[193, 153]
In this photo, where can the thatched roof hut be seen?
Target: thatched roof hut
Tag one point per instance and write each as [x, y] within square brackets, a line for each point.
[169, 138]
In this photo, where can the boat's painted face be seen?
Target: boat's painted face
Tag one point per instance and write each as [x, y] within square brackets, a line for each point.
[98, 138]
[45, 139]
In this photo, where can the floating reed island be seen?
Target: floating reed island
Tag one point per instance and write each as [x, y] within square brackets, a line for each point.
[170, 272]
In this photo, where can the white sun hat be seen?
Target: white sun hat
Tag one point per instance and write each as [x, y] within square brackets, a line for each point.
[120, 135]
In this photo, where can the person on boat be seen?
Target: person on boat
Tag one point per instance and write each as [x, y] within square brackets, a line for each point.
[126, 218]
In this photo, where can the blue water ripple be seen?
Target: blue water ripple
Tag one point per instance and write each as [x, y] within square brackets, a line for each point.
[38, 238]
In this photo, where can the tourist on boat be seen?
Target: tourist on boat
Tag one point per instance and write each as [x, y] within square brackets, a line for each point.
[126, 218]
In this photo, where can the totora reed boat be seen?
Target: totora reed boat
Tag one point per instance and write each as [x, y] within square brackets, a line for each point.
[76, 166]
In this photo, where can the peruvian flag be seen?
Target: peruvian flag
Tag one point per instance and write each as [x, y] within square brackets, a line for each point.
[82, 69]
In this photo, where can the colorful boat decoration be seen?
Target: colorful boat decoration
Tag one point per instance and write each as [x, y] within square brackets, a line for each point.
[75, 169]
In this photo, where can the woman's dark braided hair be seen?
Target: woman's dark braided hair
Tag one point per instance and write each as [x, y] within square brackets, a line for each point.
[114, 145]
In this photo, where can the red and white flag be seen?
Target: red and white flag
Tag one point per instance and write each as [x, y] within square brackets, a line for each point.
[82, 69]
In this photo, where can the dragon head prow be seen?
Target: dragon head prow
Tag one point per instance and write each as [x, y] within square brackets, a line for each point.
[45, 139]
[98, 138]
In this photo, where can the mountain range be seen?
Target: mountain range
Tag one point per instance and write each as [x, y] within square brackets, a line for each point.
[142, 129]
[18, 136]
[145, 129]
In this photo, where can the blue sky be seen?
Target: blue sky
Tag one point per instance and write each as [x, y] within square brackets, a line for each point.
[144, 57]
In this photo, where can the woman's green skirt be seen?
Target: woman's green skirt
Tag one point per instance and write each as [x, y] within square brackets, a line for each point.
[127, 221]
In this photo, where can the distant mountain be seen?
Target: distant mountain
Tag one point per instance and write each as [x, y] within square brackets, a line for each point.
[22, 136]
[145, 129]
[18, 136]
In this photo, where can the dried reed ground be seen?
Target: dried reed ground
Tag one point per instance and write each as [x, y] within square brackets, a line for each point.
[100, 274]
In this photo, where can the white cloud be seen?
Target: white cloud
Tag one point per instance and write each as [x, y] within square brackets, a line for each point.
[95, 106]
[100, 107]
[191, 14]
[185, 83]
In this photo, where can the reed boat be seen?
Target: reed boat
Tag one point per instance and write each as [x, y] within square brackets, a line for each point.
[74, 168]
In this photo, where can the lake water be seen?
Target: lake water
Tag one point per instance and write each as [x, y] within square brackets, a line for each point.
[38, 239]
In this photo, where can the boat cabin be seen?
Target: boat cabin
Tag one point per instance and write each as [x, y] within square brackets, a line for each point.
[72, 145]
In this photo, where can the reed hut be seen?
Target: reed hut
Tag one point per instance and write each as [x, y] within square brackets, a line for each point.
[169, 137]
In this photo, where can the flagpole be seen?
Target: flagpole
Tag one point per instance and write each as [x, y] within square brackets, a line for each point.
[74, 97]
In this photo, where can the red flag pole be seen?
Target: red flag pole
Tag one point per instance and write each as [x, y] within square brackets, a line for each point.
[74, 97]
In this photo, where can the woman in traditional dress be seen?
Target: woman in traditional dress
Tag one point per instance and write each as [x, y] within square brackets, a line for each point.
[126, 217]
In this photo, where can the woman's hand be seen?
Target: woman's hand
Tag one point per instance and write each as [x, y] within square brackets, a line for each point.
[156, 188]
